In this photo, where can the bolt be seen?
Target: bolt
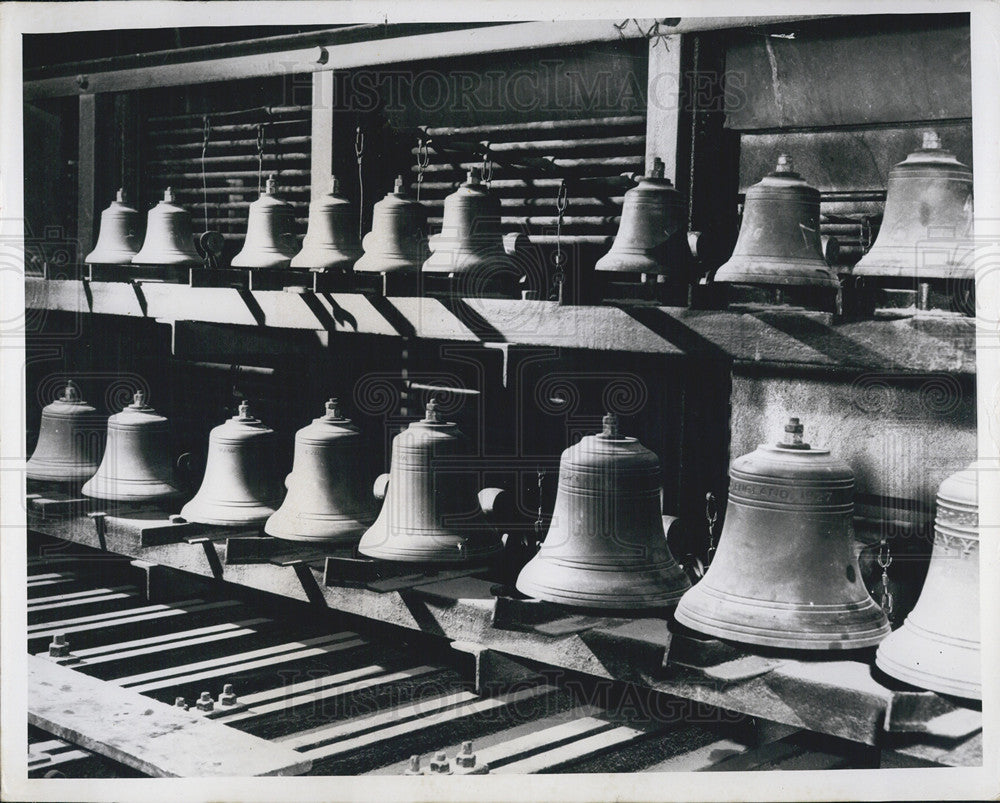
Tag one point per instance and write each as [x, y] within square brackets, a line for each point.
[59, 648]
[205, 702]
[465, 757]
[228, 696]
[414, 768]
[82, 81]
[180, 702]
[440, 764]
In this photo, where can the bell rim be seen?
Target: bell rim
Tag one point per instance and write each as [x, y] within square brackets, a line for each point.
[61, 472]
[134, 490]
[906, 671]
[230, 514]
[663, 585]
[861, 635]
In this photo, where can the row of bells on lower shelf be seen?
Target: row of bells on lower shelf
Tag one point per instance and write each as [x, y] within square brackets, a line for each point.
[785, 573]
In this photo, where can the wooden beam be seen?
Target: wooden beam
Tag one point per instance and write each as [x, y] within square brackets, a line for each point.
[145, 734]
[663, 103]
[316, 57]
[321, 162]
[86, 171]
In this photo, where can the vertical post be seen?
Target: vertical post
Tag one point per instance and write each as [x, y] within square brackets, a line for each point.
[663, 103]
[86, 173]
[321, 165]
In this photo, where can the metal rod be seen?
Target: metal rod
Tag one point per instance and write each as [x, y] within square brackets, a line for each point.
[194, 133]
[566, 164]
[269, 111]
[276, 158]
[221, 144]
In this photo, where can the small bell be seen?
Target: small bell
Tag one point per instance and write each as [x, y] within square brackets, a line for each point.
[938, 646]
[430, 512]
[328, 496]
[270, 242]
[70, 438]
[779, 242]
[652, 235]
[169, 237]
[785, 573]
[331, 241]
[927, 220]
[606, 547]
[118, 239]
[396, 241]
[238, 487]
[470, 241]
[136, 464]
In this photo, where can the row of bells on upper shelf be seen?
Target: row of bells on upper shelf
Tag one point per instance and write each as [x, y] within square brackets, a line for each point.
[470, 242]
[928, 204]
[785, 573]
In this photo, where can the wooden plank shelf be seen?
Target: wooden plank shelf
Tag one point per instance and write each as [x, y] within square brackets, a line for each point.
[155, 738]
[752, 335]
[836, 695]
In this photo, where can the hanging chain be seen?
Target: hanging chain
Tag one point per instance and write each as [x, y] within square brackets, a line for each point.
[694, 132]
[487, 165]
[884, 562]
[539, 520]
[423, 159]
[206, 130]
[359, 151]
[260, 156]
[711, 516]
[559, 277]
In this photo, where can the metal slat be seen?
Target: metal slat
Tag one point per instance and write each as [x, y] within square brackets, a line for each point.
[231, 669]
[150, 612]
[574, 751]
[186, 669]
[329, 693]
[469, 709]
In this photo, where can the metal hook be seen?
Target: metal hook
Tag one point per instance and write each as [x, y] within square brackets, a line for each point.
[487, 164]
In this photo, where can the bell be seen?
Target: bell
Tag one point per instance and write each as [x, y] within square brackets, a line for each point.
[169, 238]
[328, 497]
[785, 573]
[331, 241]
[270, 242]
[928, 203]
[652, 235]
[937, 648]
[606, 546]
[118, 239]
[69, 440]
[429, 513]
[779, 241]
[136, 464]
[470, 241]
[238, 487]
[396, 241]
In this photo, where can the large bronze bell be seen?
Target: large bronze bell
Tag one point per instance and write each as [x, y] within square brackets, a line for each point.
[928, 205]
[937, 647]
[652, 235]
[169, 236]
[270, 241]
[396, 242]
[779, 241]
[430, 512]
[119, 237]
[331, 241]
[238, 487]
[606, 547]
[136, 465]
[70, 437]
[470, 241]
[328, 496]
[785, 573]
